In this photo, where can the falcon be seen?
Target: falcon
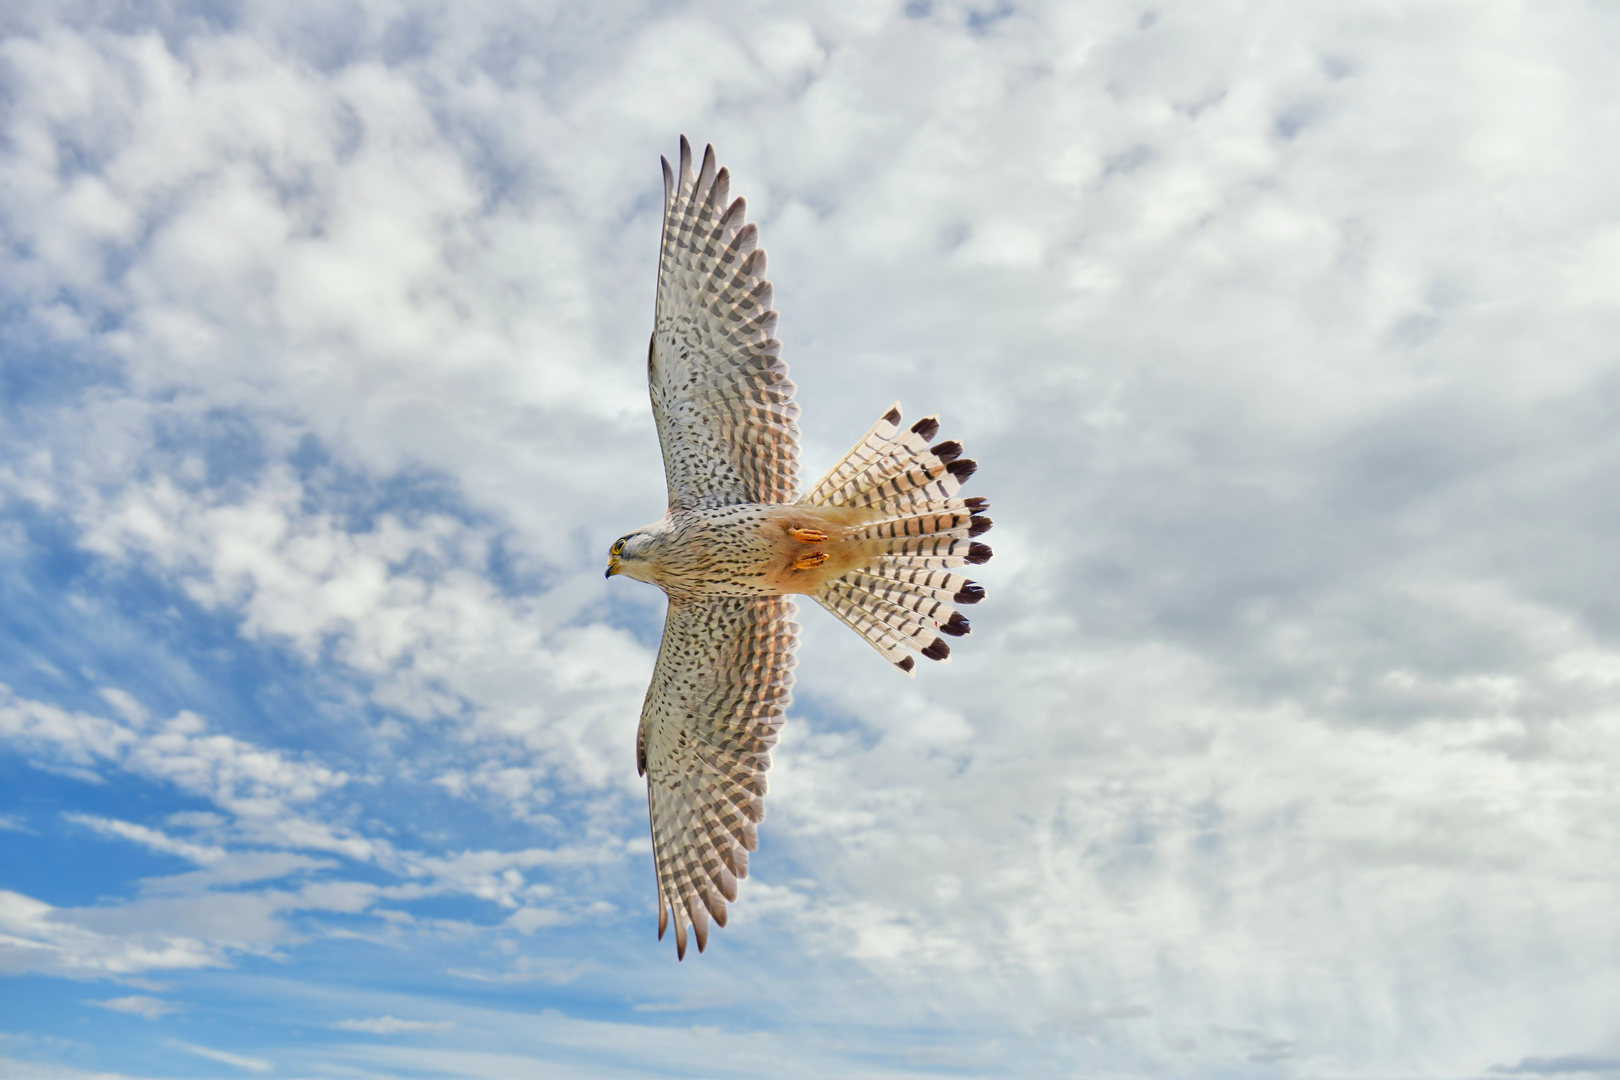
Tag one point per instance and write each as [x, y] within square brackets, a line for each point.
[877, 542]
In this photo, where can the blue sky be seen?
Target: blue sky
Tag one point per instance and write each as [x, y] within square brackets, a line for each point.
[1285, 338]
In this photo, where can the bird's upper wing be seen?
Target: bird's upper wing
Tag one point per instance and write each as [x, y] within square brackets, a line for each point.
[720, 391]
[723, 682]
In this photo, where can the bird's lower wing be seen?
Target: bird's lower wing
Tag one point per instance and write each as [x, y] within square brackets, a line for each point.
[714, 710]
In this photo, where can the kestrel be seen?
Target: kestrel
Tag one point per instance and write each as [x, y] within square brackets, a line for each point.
[876, 542]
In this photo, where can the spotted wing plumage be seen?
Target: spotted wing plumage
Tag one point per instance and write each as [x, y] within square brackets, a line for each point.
[720, 390]
[722, 684]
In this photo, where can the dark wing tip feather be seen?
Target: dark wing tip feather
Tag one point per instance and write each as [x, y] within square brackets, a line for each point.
[907, 664]
[956, 626]
[927, 427]
[962, 468]
[947, 451]
[976, 504]
[971, 593]
[938, 650]
[978, 526]
[979, 553]
[892, 416]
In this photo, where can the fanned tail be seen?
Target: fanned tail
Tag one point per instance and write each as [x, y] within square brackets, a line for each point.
[903, 598]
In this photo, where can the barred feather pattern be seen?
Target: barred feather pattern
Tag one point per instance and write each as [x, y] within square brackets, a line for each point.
[721, 394]
[885, 561]
[904, 599]
[715, 708]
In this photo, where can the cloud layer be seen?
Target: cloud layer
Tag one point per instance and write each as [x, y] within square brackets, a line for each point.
[1285, 338]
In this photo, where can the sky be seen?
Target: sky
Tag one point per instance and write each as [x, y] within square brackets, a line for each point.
[1285, 335]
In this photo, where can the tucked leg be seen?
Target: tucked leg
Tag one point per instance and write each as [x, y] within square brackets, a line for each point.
[808, 536]
[810, 561]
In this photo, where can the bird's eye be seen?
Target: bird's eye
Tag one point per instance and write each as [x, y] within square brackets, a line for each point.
[618, 548]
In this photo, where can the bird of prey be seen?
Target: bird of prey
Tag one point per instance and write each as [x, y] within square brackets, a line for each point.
[877, 542]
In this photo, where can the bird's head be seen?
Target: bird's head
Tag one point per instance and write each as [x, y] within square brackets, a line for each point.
[634, 553]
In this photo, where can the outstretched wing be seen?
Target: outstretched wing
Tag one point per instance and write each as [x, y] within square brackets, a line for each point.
[720, 391]
[714, 710]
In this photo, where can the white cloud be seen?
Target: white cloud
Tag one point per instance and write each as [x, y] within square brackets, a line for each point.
[200, 917]
[36, 1070]
[34, 936]
[1284, 338]
[237, 775]
[389, 1025]
[686, 1004]
[239, 1061]
[151, 838]
[139, 1005]
[405, 605]
[528, 969]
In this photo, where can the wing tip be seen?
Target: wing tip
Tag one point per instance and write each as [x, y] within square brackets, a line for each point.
[685, 176]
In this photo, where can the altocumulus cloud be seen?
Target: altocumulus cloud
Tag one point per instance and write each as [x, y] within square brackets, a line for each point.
[1285, 339]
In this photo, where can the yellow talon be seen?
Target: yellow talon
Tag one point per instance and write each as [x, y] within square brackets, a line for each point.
[808, 536]
[810, 561]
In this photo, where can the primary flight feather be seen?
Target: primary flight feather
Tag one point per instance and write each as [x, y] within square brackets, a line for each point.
[876, 541]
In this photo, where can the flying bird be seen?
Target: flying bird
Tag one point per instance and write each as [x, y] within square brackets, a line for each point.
[877, 542]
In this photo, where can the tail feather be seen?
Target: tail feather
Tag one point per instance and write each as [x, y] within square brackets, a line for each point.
[879, 636]
[974, 555]
[929, 612]
[931, 526]
[913, 628]
[917, 531]
[953, 524]
[909, 626]
[917, 481]
[939, 584]
[931, 547]
[872, 446]
[975, 505]
[889, 464]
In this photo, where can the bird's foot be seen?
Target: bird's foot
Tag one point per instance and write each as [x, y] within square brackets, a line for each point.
[808, 536]
[810, 561]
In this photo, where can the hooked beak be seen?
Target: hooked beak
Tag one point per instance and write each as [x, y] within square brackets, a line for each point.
[613, 568]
